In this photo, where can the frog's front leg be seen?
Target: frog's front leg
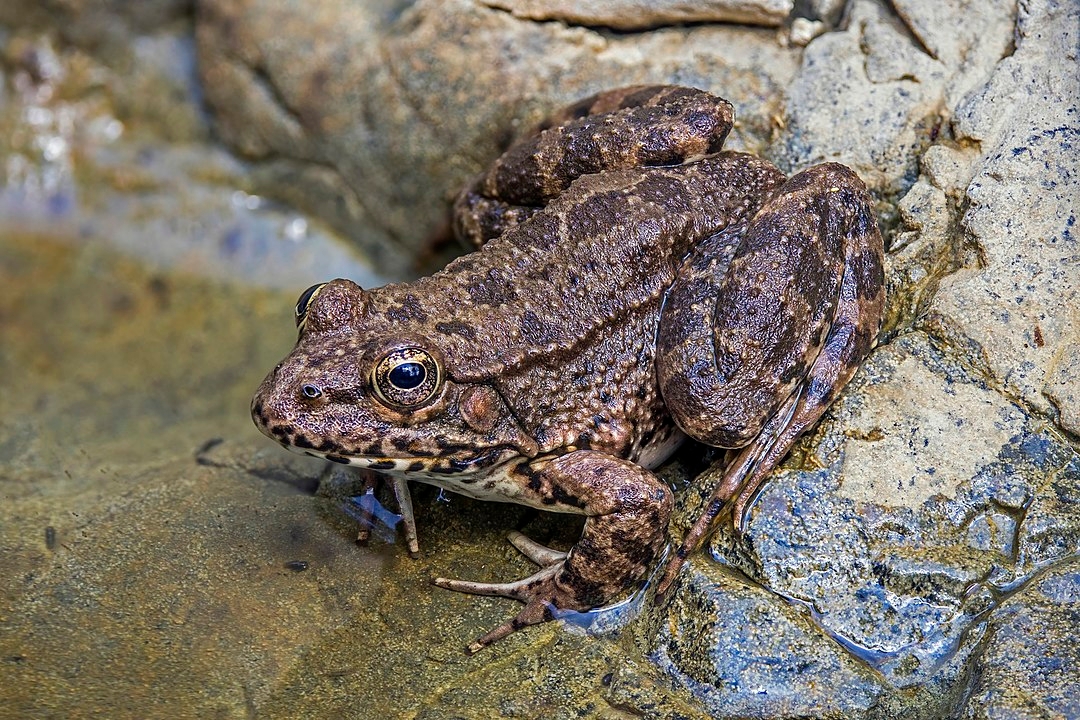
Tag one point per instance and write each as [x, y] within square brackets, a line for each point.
[627, 511]
[751, 358]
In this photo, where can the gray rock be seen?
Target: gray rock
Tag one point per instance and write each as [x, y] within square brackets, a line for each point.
[870, 97]
[393, 110]
[639, 15]
[1005, 309]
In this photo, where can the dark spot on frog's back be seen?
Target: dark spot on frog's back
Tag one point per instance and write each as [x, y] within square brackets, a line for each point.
[456, 327]
[536, 331]
[408, 310]
[596, 215]
[493, 289]
[541, 232]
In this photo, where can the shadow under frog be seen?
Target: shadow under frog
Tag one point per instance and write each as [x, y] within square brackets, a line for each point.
[634, 284]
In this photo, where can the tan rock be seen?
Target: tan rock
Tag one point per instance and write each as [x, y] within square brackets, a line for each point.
[641, 14]
[922, 434]
[1013, 305]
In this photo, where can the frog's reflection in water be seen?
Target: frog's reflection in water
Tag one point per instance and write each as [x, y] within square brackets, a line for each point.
[373, 516]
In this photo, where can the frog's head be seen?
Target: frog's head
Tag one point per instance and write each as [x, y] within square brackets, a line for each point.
[358, 390]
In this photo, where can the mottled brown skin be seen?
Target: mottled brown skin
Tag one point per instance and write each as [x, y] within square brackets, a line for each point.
[633, 282]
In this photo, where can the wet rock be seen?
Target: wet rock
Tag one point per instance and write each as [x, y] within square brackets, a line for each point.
[394, 108]
[743, 653]
[160, 558]
[921, 499]
[1030, 653]
[637, 15]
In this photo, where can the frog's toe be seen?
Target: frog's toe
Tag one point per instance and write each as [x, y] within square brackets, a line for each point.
[538, 591]
[522, 590]
[539, 554]
[535, 612]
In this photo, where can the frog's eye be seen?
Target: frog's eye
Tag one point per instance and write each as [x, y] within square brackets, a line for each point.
[406, 377]
[304, 302]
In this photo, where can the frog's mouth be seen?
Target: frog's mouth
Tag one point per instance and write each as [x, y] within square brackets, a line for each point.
[443, 466]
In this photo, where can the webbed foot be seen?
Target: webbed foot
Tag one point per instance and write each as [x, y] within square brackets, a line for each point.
[538, 591]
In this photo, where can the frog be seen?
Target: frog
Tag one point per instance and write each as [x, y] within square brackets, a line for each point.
[632, 284]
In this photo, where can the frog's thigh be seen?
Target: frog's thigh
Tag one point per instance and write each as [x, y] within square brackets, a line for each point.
[627, 511]
[728, 359]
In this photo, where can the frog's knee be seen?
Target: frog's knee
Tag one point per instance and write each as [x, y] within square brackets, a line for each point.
[715, 429]
[824, 179]
[663, 501]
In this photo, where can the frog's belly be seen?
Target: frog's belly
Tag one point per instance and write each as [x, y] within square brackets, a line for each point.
[508, 482]
[659, 448]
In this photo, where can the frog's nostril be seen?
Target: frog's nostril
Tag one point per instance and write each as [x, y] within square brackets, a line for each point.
[310, 391]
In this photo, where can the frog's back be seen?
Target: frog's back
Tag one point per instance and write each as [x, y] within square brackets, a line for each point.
[597, 258]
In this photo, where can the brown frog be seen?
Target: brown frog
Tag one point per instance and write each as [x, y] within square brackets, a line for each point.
[634, 284]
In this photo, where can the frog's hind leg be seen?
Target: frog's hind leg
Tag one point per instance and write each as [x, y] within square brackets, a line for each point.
[638, 126]
[627, 510]
[821, 207]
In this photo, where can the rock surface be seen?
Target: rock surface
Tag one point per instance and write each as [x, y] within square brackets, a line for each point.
[915, 557]
[428, 94]
[640, 15]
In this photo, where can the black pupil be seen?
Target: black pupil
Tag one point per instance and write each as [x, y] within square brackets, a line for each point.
[407, 375]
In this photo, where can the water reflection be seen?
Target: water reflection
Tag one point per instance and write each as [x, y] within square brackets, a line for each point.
[373, 516]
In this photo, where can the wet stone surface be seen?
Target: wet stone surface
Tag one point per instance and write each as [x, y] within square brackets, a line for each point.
[1030, 652]
[915, 557]
[891, 549]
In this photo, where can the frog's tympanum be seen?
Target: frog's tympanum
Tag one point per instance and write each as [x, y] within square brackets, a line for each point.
[634, 285]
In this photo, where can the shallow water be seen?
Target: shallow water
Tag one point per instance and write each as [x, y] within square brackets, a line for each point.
[160, 553]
